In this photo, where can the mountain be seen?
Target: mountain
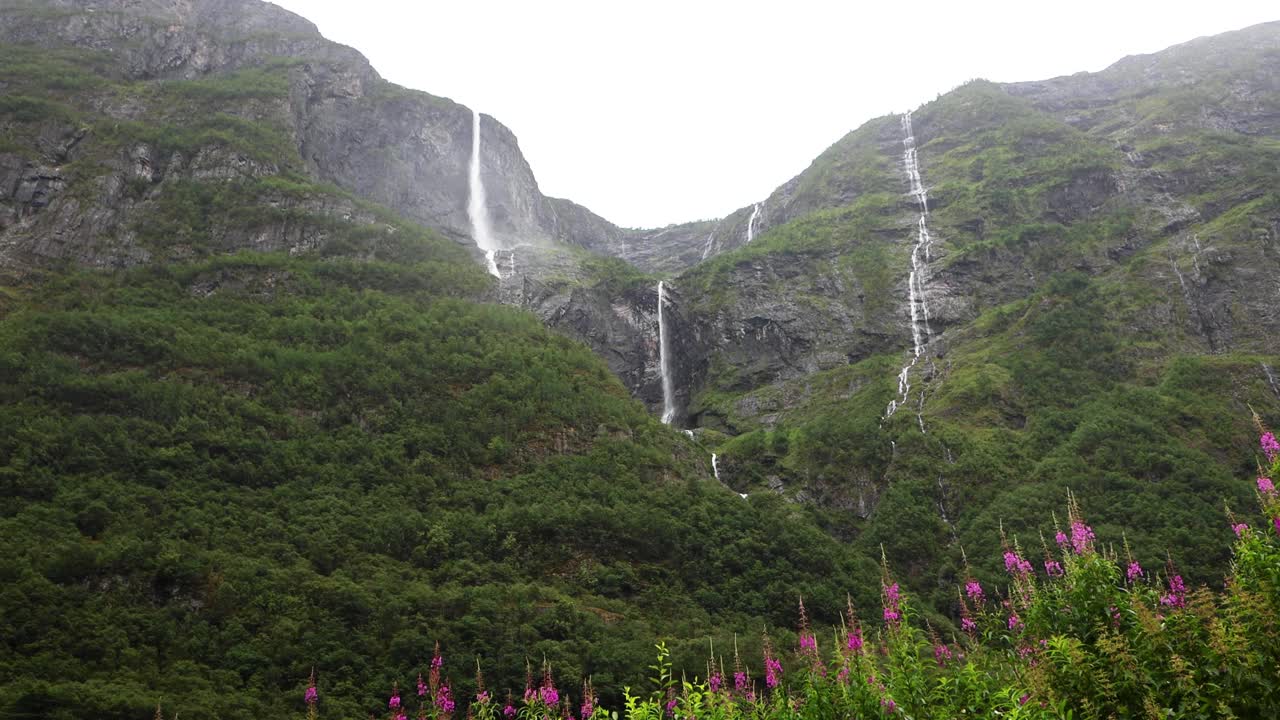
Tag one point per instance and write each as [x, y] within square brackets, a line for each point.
[264, 410]
[259, 412]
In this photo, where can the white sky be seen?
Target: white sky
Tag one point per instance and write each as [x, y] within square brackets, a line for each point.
[652, 112]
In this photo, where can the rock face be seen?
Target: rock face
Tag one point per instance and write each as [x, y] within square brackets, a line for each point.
[343, 124]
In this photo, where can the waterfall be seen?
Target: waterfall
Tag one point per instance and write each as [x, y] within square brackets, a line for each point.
[706, 249]
[715, 467]
[751, 223]
[920, 256]
[664, 360]
[477, 212]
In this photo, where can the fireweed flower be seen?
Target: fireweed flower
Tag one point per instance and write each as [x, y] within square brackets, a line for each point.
[671, 707]
[1081, 537]
[853, 641]
[968, 625]
[1239, 529]
[772, 670]
[1276, 522]
[1134, 571]
[422, 686]
[715, 682]
[892, 613]
[311, 696]
[942, 654]
[444, 700]
[1265, 486]
[1061, 538]
[1015, 564]
[1270, 446]
[808, 643]
[394, 702]
[1053, 568]
[1014, 622]
[973, 590]
[509, 710]
[1177, 595]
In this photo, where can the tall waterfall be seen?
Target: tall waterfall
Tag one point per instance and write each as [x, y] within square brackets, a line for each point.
[920, 255]
[751, 223]
[715, 466]
[481, 230]
[664, 360]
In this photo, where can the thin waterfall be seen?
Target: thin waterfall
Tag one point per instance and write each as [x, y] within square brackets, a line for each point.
[916, 279]
[477, 212]
[751, 222]
[664, 360]
[715, 467]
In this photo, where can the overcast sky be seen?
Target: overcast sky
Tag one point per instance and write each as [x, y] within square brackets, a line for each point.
[652, 112]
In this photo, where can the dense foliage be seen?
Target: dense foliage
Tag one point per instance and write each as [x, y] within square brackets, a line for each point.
[1080, 631]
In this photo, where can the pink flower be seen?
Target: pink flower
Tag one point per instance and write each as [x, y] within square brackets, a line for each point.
[853, 641]
[422, 687]
[714, 682]
[968, 625]
[1134, 571]
[973, 590]
[808, 642]
[1265, 486]
[1276, 522]
[1061, 538]
[394, 702]
[1239, 529]
[311, 695]
[942, 654]
[739, 681]
[1177, 595]
[509, 711]
[1270, 446]
[772, 669]
[1081, 537]
[1014, 622]
[1053, 568]
[1015, 564]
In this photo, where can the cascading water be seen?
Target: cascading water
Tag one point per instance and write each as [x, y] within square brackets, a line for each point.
[477, 212]
[920, 256]
[715, 467]
[664, 360]
[751, 223]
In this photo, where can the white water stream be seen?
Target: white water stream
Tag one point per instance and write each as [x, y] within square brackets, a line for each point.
[477, 212]
[920, 255]
[751, 223]
[664, 360]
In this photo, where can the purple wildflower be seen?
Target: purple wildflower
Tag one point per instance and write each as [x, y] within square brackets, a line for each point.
[549, 695]
[1015, 564]
[588, 706]
[482, 697]
[671, 706]
[1014, 622]
[973, 590]
[1134, 571]
[422, 686]
[394, 702]
[715, 682]
[808, 642]
[1023, 700]
[889, 705]
[1239, 529]
[739, 681]
[1276, 522]
[311, 696]
[444, 700]
[853, 641]
[509, 710]
[1081, 537]
[1053, 568]
[1177, 595]
[1270, 446]
[942, 654]
[1265, 486]
[772, 669]
[968, 625]
[1061, 538]
[401, 716]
